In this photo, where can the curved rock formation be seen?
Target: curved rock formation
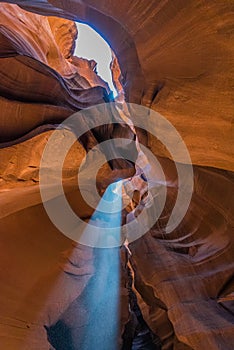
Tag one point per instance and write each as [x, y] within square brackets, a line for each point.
[57, 87]
[177, 58]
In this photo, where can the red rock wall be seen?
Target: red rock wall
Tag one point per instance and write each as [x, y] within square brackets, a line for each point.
[176, 57]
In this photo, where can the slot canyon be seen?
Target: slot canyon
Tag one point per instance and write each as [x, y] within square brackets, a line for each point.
[116, 216]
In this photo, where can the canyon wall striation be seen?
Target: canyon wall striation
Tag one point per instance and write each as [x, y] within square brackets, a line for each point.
[175, 57]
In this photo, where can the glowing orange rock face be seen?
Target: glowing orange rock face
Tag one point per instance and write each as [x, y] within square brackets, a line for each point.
[175, 57]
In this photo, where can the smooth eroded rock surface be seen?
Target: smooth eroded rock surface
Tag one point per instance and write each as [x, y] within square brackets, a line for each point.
[175, 290]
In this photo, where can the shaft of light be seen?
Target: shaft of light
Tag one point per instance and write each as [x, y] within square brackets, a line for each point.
[102, 294]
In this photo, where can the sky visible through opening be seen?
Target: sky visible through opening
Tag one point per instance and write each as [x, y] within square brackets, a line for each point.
[91, 45]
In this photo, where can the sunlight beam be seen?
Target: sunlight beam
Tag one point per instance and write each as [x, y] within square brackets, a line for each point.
[103, 291]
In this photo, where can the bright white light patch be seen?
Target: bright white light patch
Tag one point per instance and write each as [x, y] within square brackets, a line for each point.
[92, 46]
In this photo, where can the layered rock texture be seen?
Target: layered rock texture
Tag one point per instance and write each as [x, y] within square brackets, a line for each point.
[175, 290]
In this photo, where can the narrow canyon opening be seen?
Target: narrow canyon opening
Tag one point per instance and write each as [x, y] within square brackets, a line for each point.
[92, 46]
